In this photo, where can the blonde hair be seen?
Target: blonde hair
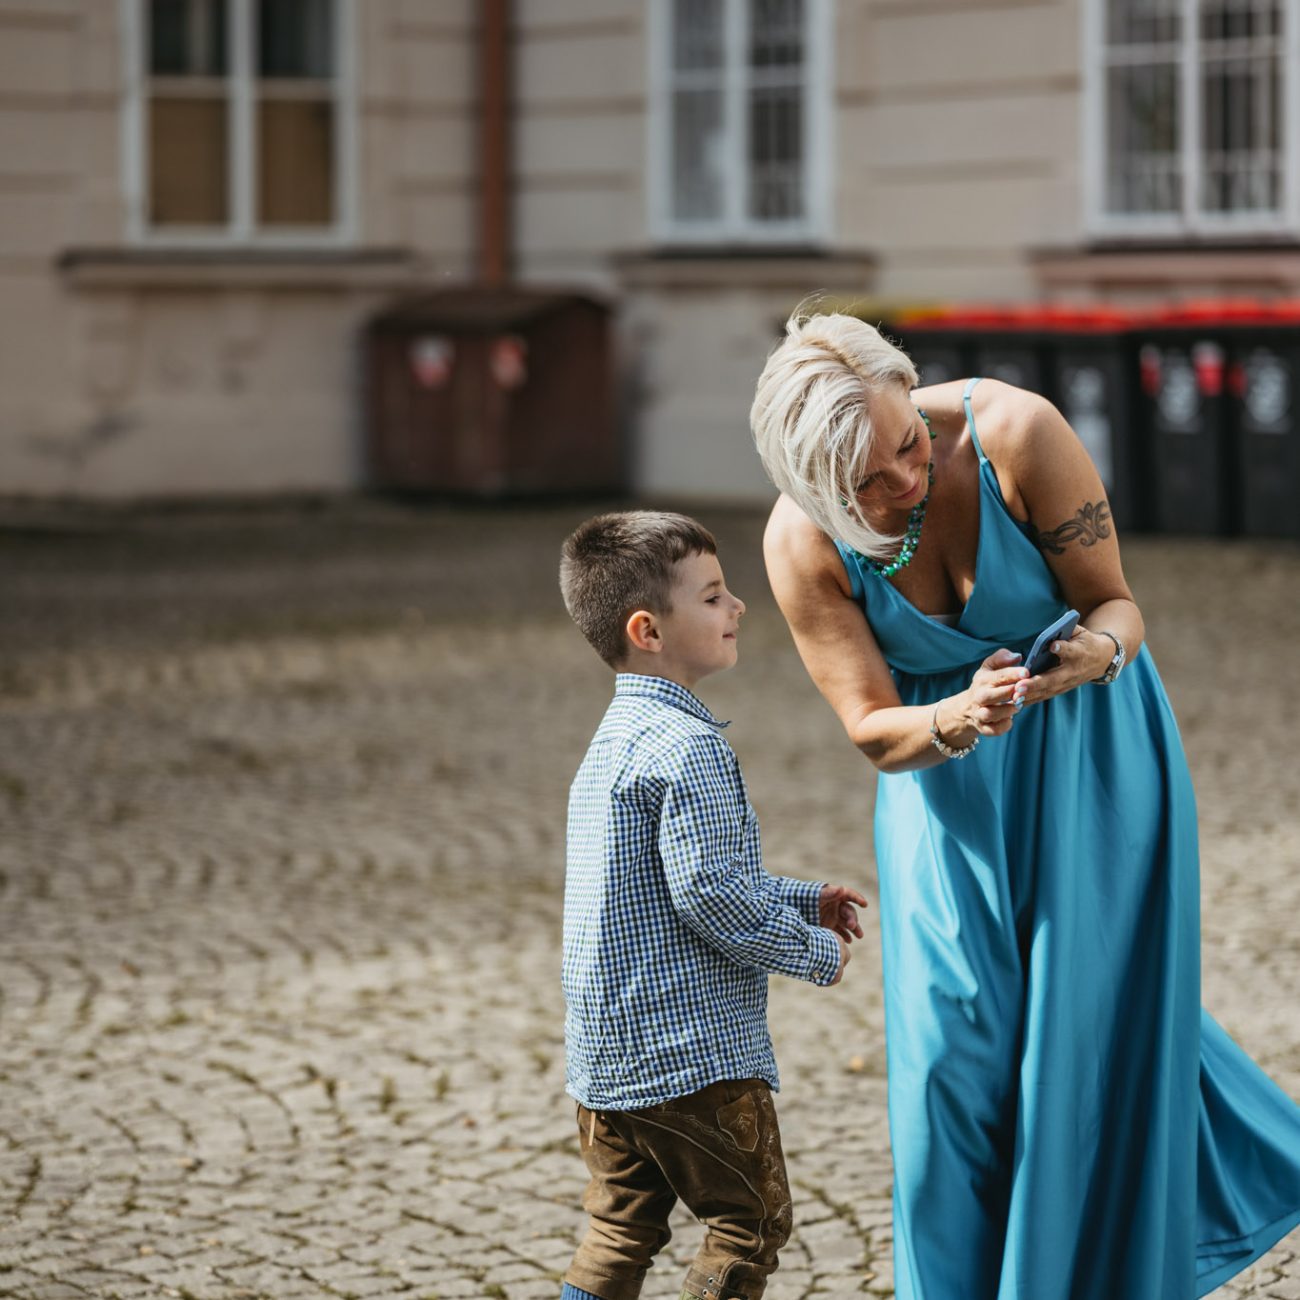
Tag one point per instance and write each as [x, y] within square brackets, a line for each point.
[811, 419]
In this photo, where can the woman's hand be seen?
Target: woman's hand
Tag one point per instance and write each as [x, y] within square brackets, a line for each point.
[986, 707]
[1083, 657]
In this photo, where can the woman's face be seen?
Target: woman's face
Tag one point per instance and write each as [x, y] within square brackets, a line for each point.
[895, 476]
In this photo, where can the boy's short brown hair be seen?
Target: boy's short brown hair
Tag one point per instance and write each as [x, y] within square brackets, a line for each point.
[615, 564]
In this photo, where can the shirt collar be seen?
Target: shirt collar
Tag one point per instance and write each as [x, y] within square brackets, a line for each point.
[666, 692]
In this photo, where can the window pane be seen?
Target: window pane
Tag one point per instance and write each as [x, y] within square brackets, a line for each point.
[187, 38]
[1143, 173]
[776, 154]
[697, 34]
[187, 162]
[1241, 95]
[1241, 161]
[776, 33]
[1143, 22]
[295, 38]
[1236, 19]
[697, 155]
[295, 151]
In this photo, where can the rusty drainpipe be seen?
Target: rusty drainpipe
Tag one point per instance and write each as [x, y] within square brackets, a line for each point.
[495, 91]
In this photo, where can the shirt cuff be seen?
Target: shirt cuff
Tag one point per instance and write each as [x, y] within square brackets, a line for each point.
[824, 955]
[803, 895]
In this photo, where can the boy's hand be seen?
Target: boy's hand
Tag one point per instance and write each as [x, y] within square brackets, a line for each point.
[844, 958]
[835, 911]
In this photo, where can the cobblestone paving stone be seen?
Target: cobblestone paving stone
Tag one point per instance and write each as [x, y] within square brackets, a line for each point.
[282, 793]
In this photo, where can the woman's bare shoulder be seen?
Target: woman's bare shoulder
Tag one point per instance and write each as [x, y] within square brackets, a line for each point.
[791, 535]
[794, 546]
[788, 525]
[1009, 420]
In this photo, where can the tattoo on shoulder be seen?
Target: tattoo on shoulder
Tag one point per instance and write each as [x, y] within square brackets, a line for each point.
[1087, 528]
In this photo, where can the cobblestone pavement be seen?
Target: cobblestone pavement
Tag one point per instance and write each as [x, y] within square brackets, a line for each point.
[282, 794]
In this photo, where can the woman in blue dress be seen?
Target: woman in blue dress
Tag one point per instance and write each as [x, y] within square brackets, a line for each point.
[1066, 1122]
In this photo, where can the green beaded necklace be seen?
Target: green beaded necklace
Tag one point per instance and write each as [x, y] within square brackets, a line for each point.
[912, 537]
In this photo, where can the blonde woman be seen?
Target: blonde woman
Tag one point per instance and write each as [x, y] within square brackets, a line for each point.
[1066, 1122]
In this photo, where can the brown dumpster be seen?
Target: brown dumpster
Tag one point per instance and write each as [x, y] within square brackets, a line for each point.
[492, 392]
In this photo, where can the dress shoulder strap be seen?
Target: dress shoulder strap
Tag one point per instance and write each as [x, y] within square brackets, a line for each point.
[970, 419]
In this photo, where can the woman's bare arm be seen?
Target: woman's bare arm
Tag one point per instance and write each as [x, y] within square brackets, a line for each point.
[1043, 467]
[842, 657]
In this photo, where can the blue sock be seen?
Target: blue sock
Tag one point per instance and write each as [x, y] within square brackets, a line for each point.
[571, 1292]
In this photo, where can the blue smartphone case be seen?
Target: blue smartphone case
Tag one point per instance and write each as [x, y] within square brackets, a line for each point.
[1040, 658]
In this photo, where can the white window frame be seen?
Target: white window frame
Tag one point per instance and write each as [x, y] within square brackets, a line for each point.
[735, 226]
[242, 229]
[1103, 224]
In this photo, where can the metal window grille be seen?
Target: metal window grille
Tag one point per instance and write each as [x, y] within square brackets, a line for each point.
[1194, 105]
[739, 130]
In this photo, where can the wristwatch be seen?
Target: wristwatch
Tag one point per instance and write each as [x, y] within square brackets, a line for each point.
[1112, 668]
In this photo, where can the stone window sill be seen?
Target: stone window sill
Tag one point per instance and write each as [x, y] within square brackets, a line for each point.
[146, 268]
[1265, 268]
[745, 267]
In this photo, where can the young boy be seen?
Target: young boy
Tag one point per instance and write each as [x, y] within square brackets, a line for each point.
[671, 926]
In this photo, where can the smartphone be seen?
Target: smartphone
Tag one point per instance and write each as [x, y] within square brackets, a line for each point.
[1040, 658]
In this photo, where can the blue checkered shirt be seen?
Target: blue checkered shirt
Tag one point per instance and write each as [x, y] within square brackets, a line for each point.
[671, 925]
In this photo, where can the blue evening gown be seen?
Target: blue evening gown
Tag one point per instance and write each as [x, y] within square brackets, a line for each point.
[1067, 1123]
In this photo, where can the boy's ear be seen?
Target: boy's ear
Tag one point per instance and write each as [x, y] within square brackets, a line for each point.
[642, 630]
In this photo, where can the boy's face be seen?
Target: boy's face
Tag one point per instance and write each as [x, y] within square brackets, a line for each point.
[699, 636]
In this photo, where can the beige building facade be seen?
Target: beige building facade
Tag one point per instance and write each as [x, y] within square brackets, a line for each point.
[202, 202]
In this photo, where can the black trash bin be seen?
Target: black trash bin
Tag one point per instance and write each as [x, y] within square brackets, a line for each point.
[1222, 377]
[1092, 379]
[940, 354]
[939, 358]
[1194, 477]
[1014, 353]
[1264, 404]
[951, 344]
[1080, 359]
[940, 351]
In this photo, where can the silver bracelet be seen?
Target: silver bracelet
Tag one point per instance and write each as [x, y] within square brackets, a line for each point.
[938, 742]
